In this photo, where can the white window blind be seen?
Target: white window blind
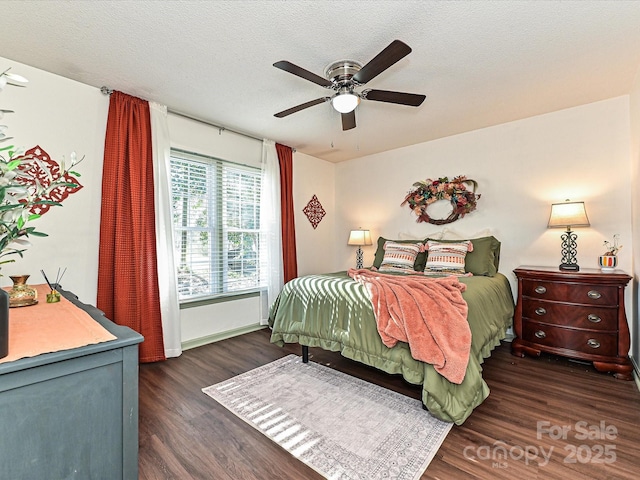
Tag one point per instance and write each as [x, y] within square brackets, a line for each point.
[216, 217]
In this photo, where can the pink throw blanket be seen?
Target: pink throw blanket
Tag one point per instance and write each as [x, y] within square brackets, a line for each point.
[427, 313]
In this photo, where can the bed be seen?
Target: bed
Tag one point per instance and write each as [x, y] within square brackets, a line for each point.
[334, 312]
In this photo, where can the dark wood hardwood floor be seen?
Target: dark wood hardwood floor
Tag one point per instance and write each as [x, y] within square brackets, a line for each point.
[546, 418]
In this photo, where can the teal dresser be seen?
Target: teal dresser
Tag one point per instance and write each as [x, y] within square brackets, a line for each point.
[72, 414]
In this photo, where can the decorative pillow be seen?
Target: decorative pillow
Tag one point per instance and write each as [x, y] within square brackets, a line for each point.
[447, 257]
[400, 257]
[484, 260]
[421, 258]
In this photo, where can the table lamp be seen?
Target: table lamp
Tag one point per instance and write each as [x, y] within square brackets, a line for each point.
[568, 214]
[359, 237]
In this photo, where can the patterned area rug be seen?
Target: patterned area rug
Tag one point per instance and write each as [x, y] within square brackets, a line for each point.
[341, 426]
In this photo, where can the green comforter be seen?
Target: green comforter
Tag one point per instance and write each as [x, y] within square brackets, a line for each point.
[333, 312]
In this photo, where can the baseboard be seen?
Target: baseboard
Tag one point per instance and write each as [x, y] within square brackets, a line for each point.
[636, 372]
[216, 337]
[509, 335]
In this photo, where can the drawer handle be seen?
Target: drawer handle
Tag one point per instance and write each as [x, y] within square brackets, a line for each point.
[594, 318]
[540, 311]
[541, 334]
[594, 294]
[593, 343]
[540, 289]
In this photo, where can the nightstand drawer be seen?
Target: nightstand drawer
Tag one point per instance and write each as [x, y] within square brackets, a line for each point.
[593, 343]
[577, 316]
[570, 292]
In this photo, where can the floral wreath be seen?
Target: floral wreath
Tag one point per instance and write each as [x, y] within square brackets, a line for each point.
[430, 191]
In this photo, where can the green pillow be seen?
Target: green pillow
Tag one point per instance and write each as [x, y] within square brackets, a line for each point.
[484, 260]
[421, 259]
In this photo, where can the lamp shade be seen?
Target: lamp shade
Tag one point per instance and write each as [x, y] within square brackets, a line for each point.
[568, 214]
[359, 237]
[345, 102]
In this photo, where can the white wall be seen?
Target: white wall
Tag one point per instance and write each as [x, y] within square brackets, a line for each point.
[61, 116]
[522, 167]
[634, 103]
[315, 248]
[199, 137]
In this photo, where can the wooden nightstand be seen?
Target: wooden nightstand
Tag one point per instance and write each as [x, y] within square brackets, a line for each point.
[574, 314]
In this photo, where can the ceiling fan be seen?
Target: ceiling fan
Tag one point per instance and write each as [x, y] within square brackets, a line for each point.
[345, 75]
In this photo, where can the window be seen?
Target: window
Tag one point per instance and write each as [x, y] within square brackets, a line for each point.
[216, 217]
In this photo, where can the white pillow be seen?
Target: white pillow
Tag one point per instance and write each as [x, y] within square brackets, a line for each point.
[412, 236]
[450, 234]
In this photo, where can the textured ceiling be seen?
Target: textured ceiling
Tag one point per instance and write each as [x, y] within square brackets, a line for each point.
[480, 63]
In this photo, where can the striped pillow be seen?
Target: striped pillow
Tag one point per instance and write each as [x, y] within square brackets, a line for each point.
[400, 257]
[447, 257]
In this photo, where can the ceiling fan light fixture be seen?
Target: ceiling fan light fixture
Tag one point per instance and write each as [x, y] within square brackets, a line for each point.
[345, 102]
[344, 76]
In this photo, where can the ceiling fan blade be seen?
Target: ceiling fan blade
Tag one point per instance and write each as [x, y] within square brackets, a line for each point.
[302, 73]
[349, 120]
[394, 52]
[302, 106]
[410, 99]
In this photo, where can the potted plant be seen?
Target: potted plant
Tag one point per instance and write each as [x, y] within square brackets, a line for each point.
[609, 260]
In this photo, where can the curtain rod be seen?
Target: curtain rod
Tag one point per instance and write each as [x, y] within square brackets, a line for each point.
[108, 91]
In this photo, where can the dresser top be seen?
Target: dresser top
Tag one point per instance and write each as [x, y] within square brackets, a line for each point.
[584, 274]
[123, 337]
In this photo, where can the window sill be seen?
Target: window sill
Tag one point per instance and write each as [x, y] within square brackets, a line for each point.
[221, 298]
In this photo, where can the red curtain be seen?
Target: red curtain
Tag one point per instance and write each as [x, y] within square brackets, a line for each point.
[290, 262]
[127, 266]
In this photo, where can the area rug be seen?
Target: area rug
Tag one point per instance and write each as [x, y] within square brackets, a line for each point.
[339, 425]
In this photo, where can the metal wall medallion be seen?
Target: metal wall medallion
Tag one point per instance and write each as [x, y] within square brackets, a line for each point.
[314, 211]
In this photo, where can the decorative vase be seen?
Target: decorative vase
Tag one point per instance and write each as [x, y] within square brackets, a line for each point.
[4, 323]
[21, 294]
[608, 263]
